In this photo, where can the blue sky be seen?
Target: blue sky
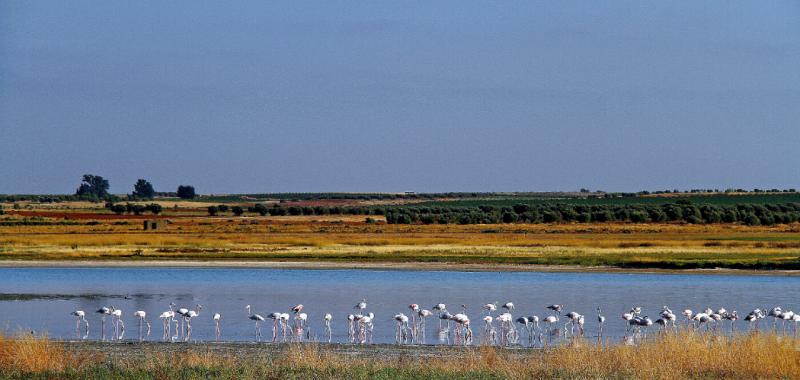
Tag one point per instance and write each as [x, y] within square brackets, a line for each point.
[294, 96]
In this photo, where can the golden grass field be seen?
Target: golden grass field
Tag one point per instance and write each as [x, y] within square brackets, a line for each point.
[185, 236]
[665, 356]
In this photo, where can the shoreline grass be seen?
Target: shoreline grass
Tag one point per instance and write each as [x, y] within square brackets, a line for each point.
[682, 355]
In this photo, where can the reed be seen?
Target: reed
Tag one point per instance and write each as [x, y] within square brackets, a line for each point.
[683, 355]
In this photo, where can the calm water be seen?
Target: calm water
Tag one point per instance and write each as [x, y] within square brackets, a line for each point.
[41, 299]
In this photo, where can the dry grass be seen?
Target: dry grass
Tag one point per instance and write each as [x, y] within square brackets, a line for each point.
[28, 354]
[667, 246]
[672, 356]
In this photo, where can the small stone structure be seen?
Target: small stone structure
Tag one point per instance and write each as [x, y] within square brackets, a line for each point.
[151, 225]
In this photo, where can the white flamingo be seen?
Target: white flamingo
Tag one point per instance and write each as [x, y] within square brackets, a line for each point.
[80, 316]
[141, 314]
[327, 321]
[103, 311]
[401, 332]
[119, 325]
[601, 320]
[256, 318]
[217, 331]
[188, 317]
[423, 316]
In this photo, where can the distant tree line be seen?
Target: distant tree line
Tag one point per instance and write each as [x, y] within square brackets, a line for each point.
[135, 209]
[280, 210]
[685, 212]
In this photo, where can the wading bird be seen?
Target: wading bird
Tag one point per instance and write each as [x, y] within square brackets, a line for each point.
[80, 316]
[188, 317]
[119, 325]
[327, 322]
[256, 318]
[141, 314]
[103, 311]
[217, 331]
[361, 306]
[601, 320]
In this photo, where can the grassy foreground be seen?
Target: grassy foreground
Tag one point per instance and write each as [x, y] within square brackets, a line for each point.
[671, 356]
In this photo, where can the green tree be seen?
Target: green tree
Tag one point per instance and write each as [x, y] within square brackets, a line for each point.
[93, 186]
[138, 209]
[186, 192]
[118, 209]
[237, 210]
[260, 209]
[223, 208]
[212, 210]
[143, 189]
[155, 208]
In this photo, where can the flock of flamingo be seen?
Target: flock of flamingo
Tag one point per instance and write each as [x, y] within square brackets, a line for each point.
[499, 325]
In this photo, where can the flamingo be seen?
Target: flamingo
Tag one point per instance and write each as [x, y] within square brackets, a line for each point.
[668, 316]
[217, 331]
[796, 320]
[401, 332]
[365, 327]
[688, 314]
[166, 321]
[509, 306]
[627, 317]
[141, 315]
[80, 316]
[775, 314]
[490, 308]
[361, 306]
[276, 323]
[550, 319]
[103, 311]
[284, 318]
[463, 331]
[574, 318]
[414, 312]
[188, 317]
[256, 318]
[534, 321]
[526, 323]
[732, 317]
[440, 308]
[488, 336]
[182, 312]
[351, 329]
[556, 308]
[119, 325]
[786, 316]
[600, 321]
[327, 321]
[300, 325]
[751, 318]
[423, 315]
[507, 331]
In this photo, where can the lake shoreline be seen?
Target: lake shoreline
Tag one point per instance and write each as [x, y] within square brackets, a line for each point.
[383, 266]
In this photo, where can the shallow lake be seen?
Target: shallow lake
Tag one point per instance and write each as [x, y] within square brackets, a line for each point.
[41, 299]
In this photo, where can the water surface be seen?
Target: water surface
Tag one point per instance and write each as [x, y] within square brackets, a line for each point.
[41, 299]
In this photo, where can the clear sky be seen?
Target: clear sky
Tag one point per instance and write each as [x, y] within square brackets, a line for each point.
[259, 96]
